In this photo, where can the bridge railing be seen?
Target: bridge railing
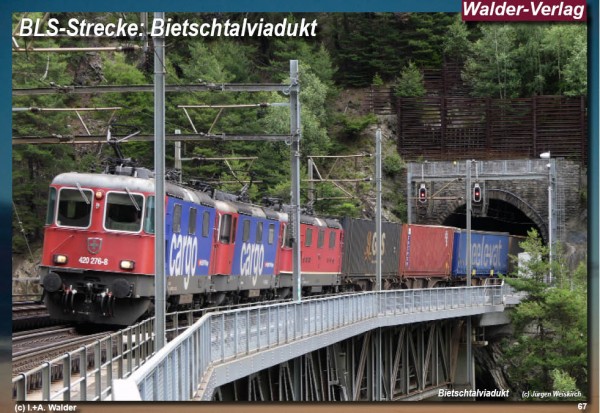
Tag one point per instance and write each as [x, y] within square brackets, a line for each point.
[177, 371]
[87, 373]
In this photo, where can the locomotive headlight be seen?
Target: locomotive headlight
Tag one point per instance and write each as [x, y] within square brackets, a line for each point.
[59, 259]
[99, 195]
[127, 265]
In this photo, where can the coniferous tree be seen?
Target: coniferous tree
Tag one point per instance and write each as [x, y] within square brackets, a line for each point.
[410, 83]
[492, 69]
[550, 322]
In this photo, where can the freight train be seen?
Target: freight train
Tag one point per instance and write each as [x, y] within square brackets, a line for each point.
[98, 254]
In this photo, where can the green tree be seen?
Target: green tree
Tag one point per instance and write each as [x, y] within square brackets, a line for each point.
[550, 323]
[377, 80]
[363, 44]
[313, 96]
[410, 83]
[426, 34]
[330, 202]
[524, 59]
[34, 166]
[392, 164]
[456, 42]
[563, 382]
[575, 67]
[532, 62]
[492, 69]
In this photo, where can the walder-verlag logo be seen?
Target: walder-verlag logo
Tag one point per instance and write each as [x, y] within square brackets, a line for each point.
[524, 10]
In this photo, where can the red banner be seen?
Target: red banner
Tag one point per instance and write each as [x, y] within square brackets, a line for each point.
[523, 10]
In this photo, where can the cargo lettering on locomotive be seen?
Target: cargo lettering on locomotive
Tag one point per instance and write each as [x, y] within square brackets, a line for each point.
[252, 259]
[371, 247]
[183, 257]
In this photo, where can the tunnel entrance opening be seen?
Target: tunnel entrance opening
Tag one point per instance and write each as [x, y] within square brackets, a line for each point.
[501, 217]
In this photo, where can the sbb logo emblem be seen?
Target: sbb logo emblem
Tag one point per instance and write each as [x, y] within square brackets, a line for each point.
[94, 245]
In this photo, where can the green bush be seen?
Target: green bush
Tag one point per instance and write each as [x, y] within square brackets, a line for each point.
[354, 125]
[392, 165]
[377, 80]
[410, 83]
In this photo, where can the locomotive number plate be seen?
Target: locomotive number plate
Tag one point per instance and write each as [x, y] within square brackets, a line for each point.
[93, 260]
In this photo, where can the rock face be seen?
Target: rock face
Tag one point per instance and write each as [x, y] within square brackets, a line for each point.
[575, 244]
[25, 275]
[491, 373]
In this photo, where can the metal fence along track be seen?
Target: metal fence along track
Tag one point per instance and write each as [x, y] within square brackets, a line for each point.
[451, 128]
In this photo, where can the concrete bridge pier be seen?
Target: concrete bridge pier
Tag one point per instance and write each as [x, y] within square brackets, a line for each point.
[465, 366]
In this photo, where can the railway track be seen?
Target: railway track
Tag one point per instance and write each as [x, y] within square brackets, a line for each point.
[29, 314]
[31, 348]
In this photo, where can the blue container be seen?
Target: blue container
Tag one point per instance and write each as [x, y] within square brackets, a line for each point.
[489, 253]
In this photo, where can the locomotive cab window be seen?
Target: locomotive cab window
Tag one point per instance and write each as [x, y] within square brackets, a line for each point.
[123, 212]
[205, 224]
[332, 239]
[308, 238]
[233, 227]
[149, 220]
[246, 231]
[287, 237]
[74, 207]
[271, 239]
[225, 229]
[192, 221]
[259, 232]
[51, 206]
[321, 238]
[177, 218]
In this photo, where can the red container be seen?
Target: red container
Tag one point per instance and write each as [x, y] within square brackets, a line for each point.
[426, 251]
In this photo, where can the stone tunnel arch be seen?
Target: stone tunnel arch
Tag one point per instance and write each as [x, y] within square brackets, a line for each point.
[506, 212]
[521, 188]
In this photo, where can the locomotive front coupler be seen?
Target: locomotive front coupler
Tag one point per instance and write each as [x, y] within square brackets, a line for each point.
[89, 292]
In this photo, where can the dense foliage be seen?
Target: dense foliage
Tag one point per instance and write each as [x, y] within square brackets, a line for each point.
[549, 349]
[512, 60]
[350, 50]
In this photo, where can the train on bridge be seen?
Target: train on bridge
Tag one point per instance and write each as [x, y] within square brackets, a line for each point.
[98, 253]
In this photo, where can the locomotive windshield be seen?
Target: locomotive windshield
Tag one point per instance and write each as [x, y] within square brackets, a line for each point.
[123, 212]
[51, 206]
[74, 207]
